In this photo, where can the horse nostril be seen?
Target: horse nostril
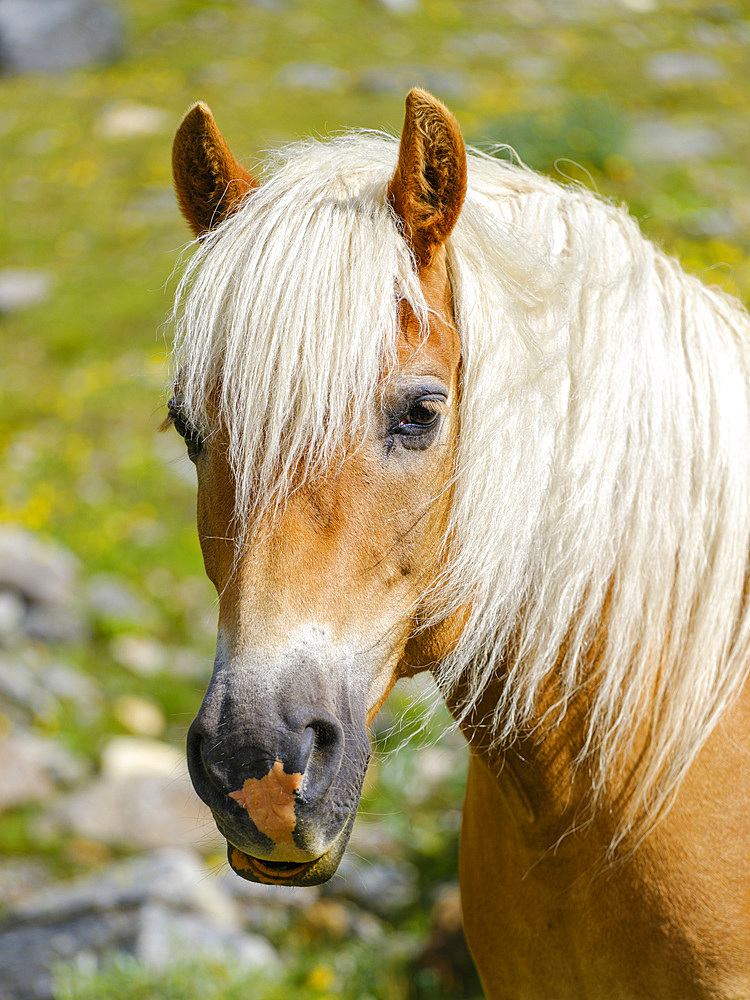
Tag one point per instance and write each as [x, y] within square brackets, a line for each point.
[306, 746]
[201, 773]
[322, 745]
[318, 741]
[326, 734]
[193, 747]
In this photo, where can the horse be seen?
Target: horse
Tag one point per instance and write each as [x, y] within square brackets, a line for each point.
[450, 416]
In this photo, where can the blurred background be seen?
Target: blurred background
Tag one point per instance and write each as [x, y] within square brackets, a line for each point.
[112, 878]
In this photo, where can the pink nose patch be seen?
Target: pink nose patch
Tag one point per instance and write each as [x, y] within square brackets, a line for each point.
[270, 802]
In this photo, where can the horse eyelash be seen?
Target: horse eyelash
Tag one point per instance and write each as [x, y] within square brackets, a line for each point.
[174, 418]
[166, 423]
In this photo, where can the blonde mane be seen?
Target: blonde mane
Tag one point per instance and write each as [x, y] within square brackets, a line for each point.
[603, 467]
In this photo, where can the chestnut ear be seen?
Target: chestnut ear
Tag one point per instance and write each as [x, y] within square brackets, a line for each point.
[429, 185]
[209, 182]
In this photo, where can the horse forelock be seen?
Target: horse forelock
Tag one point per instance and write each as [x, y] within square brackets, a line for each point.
[288, 317]
[603, 395]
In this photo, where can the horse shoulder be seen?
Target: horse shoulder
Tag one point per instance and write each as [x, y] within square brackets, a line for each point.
[672, 919]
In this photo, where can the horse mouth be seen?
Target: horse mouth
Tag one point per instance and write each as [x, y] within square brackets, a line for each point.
[274, 872]
[290, 872]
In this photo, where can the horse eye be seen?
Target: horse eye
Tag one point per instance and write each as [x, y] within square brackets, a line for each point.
[416, 424]
[421, 416]
[185, 429]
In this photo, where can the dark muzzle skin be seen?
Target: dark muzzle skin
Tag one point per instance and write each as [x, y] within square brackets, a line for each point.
[281, 770]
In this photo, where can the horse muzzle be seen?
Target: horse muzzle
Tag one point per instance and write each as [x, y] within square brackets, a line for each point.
[291, 873]
[282, 780]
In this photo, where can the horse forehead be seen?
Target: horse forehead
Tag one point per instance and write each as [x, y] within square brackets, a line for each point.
[440, 349]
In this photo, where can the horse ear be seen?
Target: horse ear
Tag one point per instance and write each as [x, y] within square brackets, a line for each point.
[429, 185]
[209, 182]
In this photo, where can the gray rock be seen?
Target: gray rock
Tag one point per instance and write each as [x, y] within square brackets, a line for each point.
[485, 43]
[43, 576]
[535, 67]
[661, 139]
[400, 6]
[25, 779]
[683, 67]
[267, 909]
[54, 624]
[12, 613]
[21, 288]
[19, 687]
[139, 653]
[384, 888]
[447, 84]
[68, 684]
[174, 877]
[156, 908]
[142, 799]
[112, 600]
[20, 878]
[312, 76]
[371, 838]
[29, 952]
[40, 571]
[164, 933]
[32, 767]
[714, 222]
[36, 684]
[55, 35]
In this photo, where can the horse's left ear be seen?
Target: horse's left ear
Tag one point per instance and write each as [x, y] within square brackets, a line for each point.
[209, 182]
[429, 185]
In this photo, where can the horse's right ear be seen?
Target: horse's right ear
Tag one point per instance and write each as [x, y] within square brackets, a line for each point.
[429, 185]
[209, 182]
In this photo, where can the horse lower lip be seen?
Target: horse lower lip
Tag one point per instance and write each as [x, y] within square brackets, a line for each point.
[277, 870]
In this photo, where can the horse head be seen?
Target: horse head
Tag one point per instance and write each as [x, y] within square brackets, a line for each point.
[322, 590]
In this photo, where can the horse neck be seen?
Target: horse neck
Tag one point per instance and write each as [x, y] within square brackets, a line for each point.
[537, 770]
[547, 789]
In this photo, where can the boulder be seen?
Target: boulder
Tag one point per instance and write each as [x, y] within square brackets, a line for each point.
[385, 888]
[42, 576]
[21, 288]
[115, 604]
[32, 767]
[158, 908]
[33, 683]
[54, 35]
[142, 799]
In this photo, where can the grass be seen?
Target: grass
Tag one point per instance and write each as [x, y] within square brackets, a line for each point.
[354, 973]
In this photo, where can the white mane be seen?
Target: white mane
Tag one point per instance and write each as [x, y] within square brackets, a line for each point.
[603, 463]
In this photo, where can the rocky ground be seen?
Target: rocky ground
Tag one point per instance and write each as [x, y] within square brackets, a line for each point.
[144, 861]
